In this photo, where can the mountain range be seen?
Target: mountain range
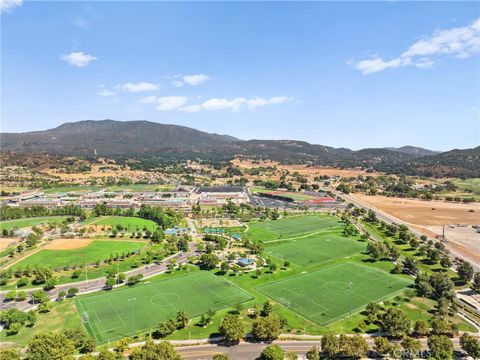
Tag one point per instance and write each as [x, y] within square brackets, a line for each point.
[142, 139]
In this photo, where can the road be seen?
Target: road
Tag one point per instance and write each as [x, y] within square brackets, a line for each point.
[250, 351]
[389, 219]
[99, 283]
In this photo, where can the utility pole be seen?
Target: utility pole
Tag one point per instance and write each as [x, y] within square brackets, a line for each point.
[350, 285]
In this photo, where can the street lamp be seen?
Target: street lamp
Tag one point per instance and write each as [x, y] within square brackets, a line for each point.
[350, 285]
[133, 315]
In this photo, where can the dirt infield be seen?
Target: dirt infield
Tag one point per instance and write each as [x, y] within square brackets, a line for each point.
[420, 212]
[67, 244]
[218, 223]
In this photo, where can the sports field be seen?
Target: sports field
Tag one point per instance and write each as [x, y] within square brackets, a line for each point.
[97, 250]
[316, 248]
[291, 226]
[109, 316]
[22, 223]
[327, 295]
[128, 223]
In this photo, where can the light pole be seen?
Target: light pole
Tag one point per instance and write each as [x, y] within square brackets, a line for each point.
[133, 315]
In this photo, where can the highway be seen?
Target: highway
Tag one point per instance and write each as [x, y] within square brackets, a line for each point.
[390, 219]
[250, 350]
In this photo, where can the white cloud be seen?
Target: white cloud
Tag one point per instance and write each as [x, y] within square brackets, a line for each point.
[104, 91]
[191, 108]
[195, 79]
[138, 87]
[81, 23]
[165, 103]
[177, 83]
[6, 6]
[78, 59]
[236, 104]
[224, 104]
[168, 103]
[149, 100]
[461, 42]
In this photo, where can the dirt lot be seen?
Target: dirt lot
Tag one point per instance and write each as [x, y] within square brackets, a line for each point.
[419, 212]
[304, 170]
[5, 242]
[67, 244]
[218, 223]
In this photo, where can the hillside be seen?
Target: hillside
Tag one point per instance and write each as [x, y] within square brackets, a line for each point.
[145, 139]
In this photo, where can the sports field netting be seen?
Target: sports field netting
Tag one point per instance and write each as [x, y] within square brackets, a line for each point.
[110, 315]
[315, 249]
[291, 226]
[327, 295]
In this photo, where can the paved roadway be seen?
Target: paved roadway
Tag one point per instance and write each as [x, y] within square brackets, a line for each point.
[99, 283]
[389, 219]
[250, 351]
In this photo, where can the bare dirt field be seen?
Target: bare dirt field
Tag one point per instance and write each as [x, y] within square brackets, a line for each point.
[67, 244]
[218, 223]
[304, 170]
[5, 242]
[423, 213]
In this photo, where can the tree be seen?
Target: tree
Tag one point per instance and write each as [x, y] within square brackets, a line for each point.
[421, 328]
[209, 261]
[465, 272]
[382, 346]
[330, 345]
[440, 346]
[231, 328]
[218, 357]
[394, 322]
[272, 352]
[267, 328]
[151, 351]
[109, 283]
[39, 297]
[11, 295]
[313, 353]
[441, 285]
[72, 292]
[50, 346]
[476, 282]
[10, 354]
[411, 347]
[182, 319]
[267, 309]
[470, 345]
[352, 347]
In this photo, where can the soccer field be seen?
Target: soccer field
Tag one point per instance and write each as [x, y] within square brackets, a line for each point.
[97, 250]
[22, 223]
[327, 295]
[112, 315]
[129, 223]
[291, 226]
[316, 248]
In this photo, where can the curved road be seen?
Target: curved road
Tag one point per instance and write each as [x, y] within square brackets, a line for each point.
[98, 283]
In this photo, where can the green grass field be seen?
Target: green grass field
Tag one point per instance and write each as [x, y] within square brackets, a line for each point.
[109, 316]
[466, 188]
[128, 223]
[324, 296]
[97, 250]
[71, 189]
[315, 249]
[291, 227]
[22, 223]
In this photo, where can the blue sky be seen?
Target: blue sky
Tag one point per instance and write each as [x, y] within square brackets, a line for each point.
[362, 74]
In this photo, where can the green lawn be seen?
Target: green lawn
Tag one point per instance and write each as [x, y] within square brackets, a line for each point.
[324, 296]
[97, 250]
[71, 189]
[22, 223]
[315, 249]
[291, 226]
[141, 187]
[109, 316]
[466, 188]
[129, 223]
